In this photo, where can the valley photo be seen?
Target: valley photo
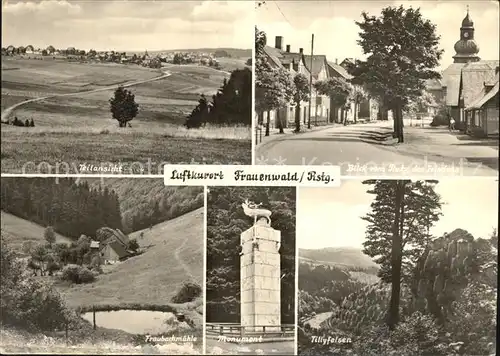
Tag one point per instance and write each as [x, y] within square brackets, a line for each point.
[125, 87]
[101, 266]
[392, 267]
[250, 281]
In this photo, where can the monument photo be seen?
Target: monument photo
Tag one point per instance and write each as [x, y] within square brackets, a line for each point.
[250, 305]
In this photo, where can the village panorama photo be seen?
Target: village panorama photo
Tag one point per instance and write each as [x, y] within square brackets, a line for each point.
[390, 88]
[125, 86]
[101, 266]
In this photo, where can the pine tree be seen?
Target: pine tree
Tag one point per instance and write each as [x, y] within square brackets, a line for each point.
[123, 106]
[398, 230]
[49, 235]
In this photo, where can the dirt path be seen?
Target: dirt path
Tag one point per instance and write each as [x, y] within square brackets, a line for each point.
[181, 262]
[9, 110]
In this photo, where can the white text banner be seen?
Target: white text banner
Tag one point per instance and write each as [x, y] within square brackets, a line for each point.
[238, 175]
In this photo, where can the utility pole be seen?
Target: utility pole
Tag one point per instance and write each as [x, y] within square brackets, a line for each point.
[310, 82]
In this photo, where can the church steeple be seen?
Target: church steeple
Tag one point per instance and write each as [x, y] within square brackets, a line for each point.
[466, 48]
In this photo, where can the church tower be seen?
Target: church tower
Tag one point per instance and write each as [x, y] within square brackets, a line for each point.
[466, 48]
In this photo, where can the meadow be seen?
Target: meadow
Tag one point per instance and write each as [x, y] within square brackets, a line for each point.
[18, 231]
[73, 123]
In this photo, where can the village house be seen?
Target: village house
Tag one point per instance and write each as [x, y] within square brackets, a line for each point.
[114, 247]
[463, 80]
[365, 110]
[294, 62]
[474, 80]
[481, 116]
[320, 104]
[322, 110]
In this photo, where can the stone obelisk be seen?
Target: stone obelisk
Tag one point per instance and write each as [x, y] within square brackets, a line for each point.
[260, 273]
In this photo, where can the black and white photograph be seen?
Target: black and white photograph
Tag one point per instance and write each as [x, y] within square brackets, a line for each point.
[398, 267]
[380, 88]
[250, 274]
[101, 266]
[125, 86]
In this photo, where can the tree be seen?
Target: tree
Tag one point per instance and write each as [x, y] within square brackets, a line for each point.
[398, 230]
[123, 106]
[133, 245]
[339, 91]
[420, 104]
[402, 52]
[233, 102]
[198, 116]
[49, 235]
[301, 93]
[39, 258]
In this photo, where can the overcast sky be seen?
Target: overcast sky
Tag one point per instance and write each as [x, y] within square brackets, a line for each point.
[128, 25]
[335, 32]
[330, 217]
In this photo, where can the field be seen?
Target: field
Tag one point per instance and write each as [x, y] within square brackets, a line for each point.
[17, 231]
[73, 123]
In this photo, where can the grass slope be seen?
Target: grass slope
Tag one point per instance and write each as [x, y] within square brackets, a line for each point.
[174, 255]
[17, 231]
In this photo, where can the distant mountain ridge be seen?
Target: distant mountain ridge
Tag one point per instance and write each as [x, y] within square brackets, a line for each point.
[347, 257]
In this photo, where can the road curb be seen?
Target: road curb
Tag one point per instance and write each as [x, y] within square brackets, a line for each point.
[283, 137]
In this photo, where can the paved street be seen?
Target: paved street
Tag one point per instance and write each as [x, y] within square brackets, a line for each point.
[368, 149]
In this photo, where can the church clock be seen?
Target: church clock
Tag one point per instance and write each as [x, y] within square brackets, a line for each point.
[466, 34]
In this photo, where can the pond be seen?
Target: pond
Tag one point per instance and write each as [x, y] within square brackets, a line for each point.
[134, 321]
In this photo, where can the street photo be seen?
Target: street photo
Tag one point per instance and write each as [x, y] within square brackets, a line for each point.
[250, 274]
[124, 87]
[380, 88]
[398, 267]
[101, 266]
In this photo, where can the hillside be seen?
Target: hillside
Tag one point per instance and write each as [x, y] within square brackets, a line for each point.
[138, 198]
[233, 52]
[16, 231]
[174, 254]
[346, 257]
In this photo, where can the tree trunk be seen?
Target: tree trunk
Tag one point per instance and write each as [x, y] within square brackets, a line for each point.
[400, 124]
[268, 123]
[297, 117]
[395, 133]
[356, 112]
[396, 257]
[260, 118]
[280, 122]
[344, 117]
